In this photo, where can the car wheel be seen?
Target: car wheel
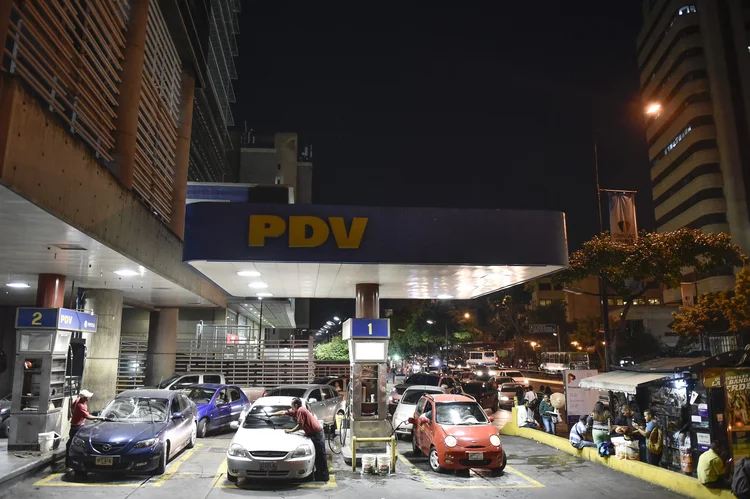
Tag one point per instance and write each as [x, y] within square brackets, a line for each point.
[435, 461]
[500, 468]
[202, 428]
[231, 478]
[193, 437]
[5, 427]
[162, 467]
[415, 450]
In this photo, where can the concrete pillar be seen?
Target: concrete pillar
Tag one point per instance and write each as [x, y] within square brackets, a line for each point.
[102, 347]
[182, 157]
[126, 122]
[50, 291]
[162, 345]
[367, 301]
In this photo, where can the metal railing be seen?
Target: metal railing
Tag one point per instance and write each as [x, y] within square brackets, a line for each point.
[323, 369]
[158, 115]
[69, 53]
[244, 363]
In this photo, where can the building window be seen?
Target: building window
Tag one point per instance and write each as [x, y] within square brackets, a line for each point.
[654, 301]
[639, 301]
[545, 286]
[545, 303]
[610, 302]
[620, 302]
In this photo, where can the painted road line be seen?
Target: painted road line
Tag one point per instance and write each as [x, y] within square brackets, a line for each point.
[534, 483]
[220, 473]
[175, 466]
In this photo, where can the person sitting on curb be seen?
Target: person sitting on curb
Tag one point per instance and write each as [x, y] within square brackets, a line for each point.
[526, 416]
[711, 470]
[578, 433]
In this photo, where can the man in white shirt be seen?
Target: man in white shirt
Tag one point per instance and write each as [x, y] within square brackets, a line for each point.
[526, 416]
[530, 396]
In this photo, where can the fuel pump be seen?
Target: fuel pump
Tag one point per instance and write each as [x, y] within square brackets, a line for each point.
[368, 408]
[43, 347]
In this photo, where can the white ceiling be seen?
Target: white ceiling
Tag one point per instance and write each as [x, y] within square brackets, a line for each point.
[29, 247]
[329, 280]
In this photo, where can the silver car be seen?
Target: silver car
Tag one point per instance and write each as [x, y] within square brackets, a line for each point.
[323, 401]
[407, 404]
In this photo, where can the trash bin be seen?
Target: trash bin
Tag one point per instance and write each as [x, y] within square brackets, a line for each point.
[46, 441]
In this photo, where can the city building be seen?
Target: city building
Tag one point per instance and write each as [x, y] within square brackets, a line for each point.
[694, 62]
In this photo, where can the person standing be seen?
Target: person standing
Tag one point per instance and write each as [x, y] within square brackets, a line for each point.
[80, 411]
[314, 431]
[602, 424]
[651, 426]
[547, 411]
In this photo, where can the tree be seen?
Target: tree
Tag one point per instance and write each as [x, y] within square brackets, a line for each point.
[654, 259]
[336, 349]
[586, 334]
[726, 311]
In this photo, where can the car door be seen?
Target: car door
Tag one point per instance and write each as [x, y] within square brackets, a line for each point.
[222, 408]
[180, 426]
[334, 402]
[236, 403]
[427, 428]
[416, 427]
[317, 408]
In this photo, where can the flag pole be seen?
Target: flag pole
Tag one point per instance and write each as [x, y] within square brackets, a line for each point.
[602, 284]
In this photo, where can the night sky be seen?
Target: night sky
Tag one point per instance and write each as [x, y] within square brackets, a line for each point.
[451, 104]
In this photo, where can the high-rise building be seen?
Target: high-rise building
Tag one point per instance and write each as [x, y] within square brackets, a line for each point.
[694, 61]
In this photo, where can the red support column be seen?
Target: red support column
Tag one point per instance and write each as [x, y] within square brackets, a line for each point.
[50, 291]
[367, 301]
[126, 123]
[182, 157]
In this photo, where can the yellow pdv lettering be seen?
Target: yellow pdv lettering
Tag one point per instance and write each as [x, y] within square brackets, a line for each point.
[263, 226]
[298, 237]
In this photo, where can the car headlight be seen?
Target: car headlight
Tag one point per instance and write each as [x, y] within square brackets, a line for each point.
[450, 441]
[145, 443]
[495, 440]
[78, 442]
[302, 451]
[236, 450]
[504, 398]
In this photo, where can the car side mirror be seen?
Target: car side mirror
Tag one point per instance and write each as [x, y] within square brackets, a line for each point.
[234, 425]
[177, 415]
[311, 401]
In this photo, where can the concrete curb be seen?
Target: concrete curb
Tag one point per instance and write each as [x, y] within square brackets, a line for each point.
[676, 482]
[31, 465]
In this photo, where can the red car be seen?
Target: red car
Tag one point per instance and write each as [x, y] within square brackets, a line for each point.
[456, 434]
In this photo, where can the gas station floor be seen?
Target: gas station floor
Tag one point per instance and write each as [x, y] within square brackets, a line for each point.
[534, 471]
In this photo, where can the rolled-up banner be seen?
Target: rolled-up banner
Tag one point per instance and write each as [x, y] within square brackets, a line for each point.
[688, 293]
[622, 222]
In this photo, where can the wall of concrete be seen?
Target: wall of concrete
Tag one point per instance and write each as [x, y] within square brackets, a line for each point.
[8, 346]
[42, 162]
[135, 321]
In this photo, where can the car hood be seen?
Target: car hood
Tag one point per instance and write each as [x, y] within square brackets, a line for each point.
[120, 432]
[404, 411]
[260, 439]
[468, 436]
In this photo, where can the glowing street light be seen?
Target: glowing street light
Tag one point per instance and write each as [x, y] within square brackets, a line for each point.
[467, 315]
[653, 109]
[430, 321]
[336, 319]
[574, 343]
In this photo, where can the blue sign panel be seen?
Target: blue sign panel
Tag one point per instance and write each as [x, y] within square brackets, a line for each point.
[72, 320]
[55, 318]
[36, 318]
[360, 234]
[370, 328]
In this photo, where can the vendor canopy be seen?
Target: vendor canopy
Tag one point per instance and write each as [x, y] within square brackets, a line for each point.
[324, 251]
[621, 381]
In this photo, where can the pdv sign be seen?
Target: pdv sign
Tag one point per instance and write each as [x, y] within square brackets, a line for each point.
[306, 231]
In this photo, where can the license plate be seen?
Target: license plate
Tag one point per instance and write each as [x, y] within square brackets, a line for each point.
[476, 456]
[105, 461]
[267, 466]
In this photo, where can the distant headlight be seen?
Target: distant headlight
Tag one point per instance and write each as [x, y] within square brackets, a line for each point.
[145, 443]
[302, 451]
[504, 398]
[236, 450]
[78, 442]
[450, 441]
[492, 373]
[495, 440]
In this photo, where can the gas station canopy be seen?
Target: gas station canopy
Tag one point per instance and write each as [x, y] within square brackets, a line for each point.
[317, 251]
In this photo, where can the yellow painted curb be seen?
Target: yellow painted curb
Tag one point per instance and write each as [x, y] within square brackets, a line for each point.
[677, 482]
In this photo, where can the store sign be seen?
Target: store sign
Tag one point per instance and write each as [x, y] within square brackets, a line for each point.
[55, 318]
[578, 401]
[307, 231]
[737, 385]
[366, 328]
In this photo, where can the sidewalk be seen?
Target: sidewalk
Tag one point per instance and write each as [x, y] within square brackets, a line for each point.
[16, 464]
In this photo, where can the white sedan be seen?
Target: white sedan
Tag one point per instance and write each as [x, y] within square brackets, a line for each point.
[261, 449]
[407, 404]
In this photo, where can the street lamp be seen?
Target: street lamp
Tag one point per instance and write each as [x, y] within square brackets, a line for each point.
[430, 321]
[574, 343]
[653, 108]
[467, 315]
[336, 319]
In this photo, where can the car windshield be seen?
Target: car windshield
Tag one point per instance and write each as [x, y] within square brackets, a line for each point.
[168, 381]
[257, 418]
[460, 413]
[200, 395]
[413, 396]
[136, 410]
[286, 392]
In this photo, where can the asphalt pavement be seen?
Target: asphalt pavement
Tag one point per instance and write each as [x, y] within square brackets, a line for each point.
[534, 471]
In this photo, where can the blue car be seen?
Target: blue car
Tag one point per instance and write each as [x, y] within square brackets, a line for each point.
[143, 429]
[218, 405]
